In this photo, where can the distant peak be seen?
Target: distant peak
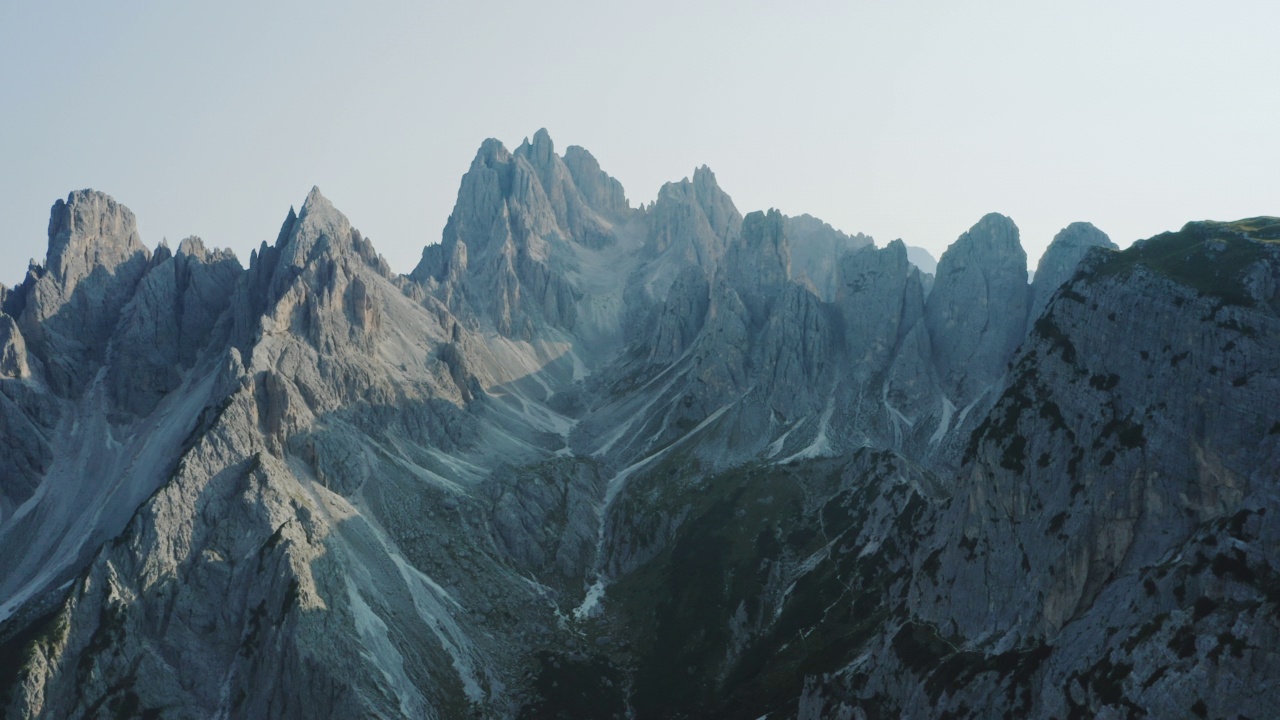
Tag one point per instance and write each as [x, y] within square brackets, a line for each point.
[1082, 234]
[193, 246]
[993, 230]
[579, 153]
[995, 219]
[314, 201]
[491, 152]
[540, 152]
[768, 226]
[90, 226]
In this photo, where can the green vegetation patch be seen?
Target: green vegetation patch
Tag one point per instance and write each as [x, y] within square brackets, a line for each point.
[1209, 257]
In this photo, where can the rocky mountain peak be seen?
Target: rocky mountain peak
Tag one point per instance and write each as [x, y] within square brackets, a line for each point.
[321, 231]
[922, 259]
[490, 154]
[1059, 261]
[728, 468]
[715, 203]
[89, 230]
[601, 192]
[816, 248]
[995, 236]
[879, 295]
[758, 265]
[517, 227]
[194, 247]
[541, 152]
[70, 306]
[976, 312]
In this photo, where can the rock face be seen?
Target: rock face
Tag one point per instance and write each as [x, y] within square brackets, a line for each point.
[977, 310]
[71, 305]
[881, 298]
[168, 321]
[595, 461]
[511, 239]
[816, 249]
[691, 223]
[1060, 260]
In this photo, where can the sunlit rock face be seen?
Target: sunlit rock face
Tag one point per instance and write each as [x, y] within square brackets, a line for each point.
[594, 460]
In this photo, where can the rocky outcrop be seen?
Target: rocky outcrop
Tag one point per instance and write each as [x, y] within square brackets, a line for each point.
[515, 213]
[682, 316]
[815, 249]
[759, 264]
[600, 192]
[795, 353]
[691, 223]
[977, 310]
[880, 298]
[13, 350]
[169, 320]
[1060, 260]
[71, 304]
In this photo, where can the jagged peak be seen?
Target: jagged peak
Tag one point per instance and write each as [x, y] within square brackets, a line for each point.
[540, 153]
[702, 186]
[895, 248]
[87, 230]
[490, 154]
[161, 253]
[600, 190]
[542, 137]
[193, 246]
[1082, 234]
[582, 154]
[318, 229]
[995, 236]
[315, 202]
[995, 220]
[763, 225]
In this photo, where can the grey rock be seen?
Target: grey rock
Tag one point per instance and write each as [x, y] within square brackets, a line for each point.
[171, 317]
[682, 317]
[1060, 260]
[691, 222]
[72, 303]
[311, 488]
[600, 192]
[13, 350]
[815, 249]
[976, 312]
[880, 297]
[759, 264]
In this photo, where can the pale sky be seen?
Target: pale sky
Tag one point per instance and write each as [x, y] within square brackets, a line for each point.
[897, 119]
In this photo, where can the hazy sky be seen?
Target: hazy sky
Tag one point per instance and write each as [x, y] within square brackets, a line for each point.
[897, 119]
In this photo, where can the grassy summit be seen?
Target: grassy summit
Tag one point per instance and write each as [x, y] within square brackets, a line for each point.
[1210, 256]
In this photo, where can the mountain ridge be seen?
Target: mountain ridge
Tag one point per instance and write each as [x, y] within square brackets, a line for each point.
[591, 459]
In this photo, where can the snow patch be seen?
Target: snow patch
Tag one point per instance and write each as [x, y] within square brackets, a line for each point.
[945, 423]
[821, 444]
[590, 606]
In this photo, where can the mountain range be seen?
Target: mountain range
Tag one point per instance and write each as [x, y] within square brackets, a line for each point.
[596, 460]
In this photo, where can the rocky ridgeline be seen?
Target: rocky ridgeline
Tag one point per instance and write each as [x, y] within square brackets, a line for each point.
[594, 460]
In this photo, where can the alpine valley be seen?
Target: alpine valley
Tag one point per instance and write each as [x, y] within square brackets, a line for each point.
[589, 460]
